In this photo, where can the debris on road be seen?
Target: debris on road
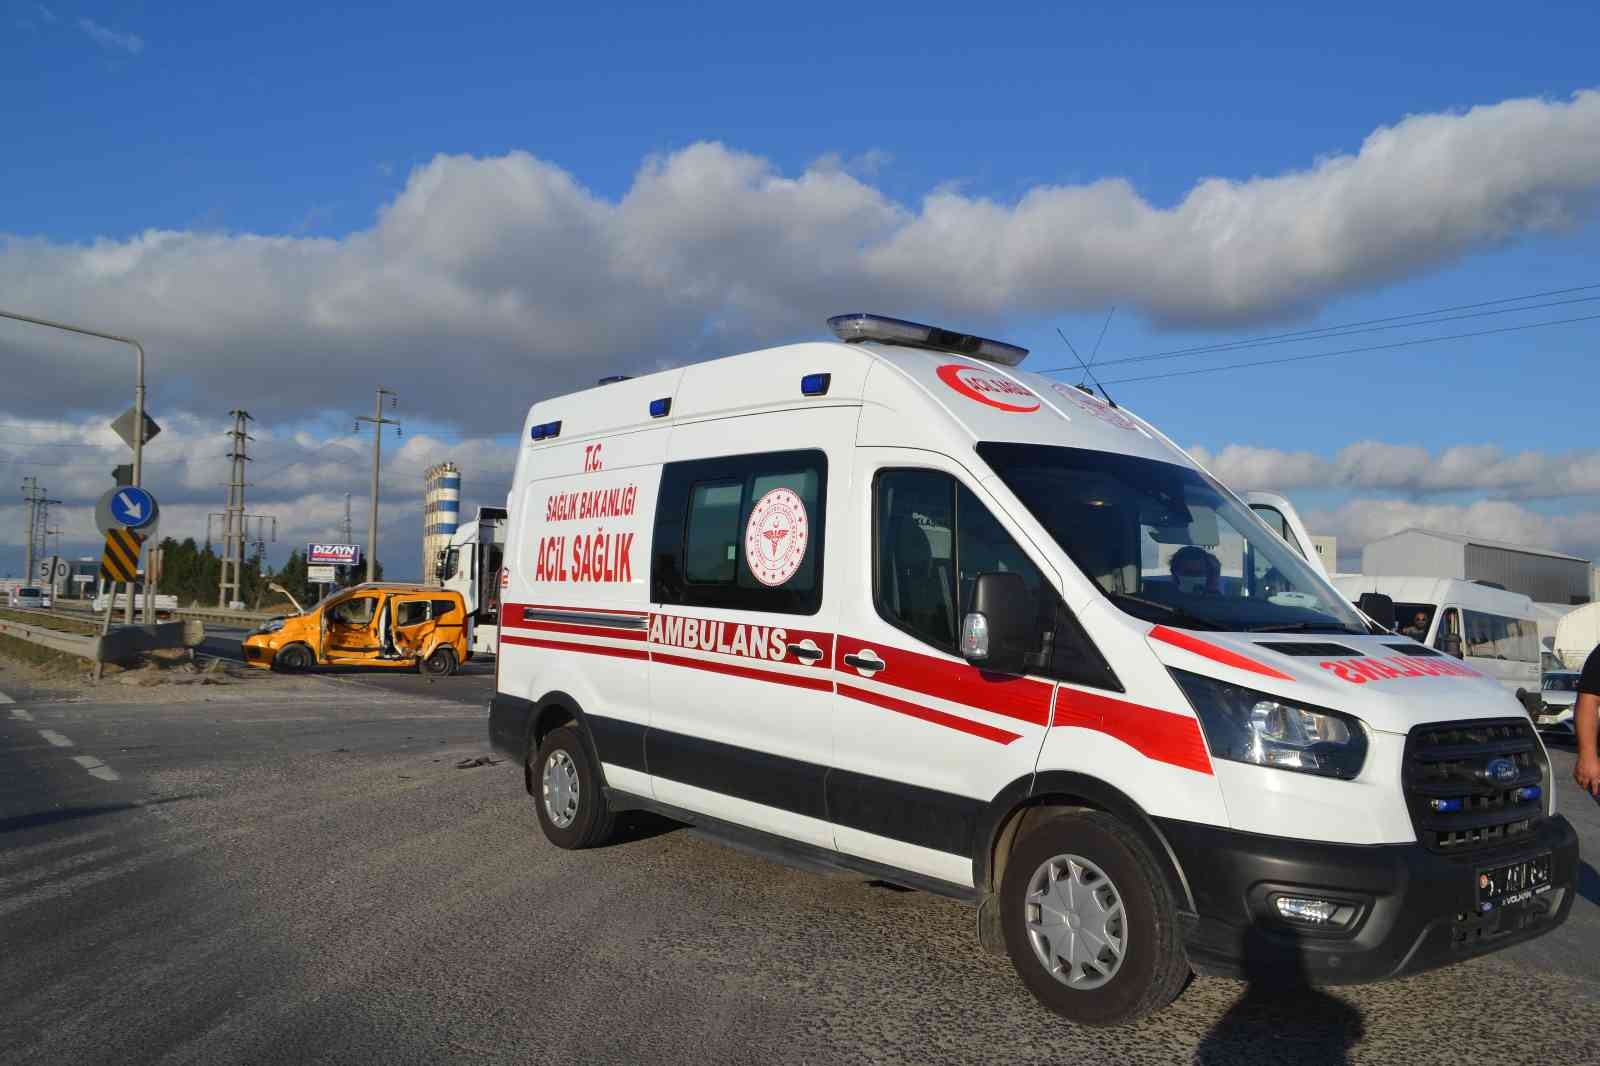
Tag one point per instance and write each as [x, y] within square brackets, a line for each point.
[477, 760]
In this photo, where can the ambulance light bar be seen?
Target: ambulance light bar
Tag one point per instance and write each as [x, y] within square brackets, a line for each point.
[860, 327]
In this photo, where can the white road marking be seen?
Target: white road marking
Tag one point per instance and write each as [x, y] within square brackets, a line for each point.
[21, 715]
[6, 699]
[96, 768]
[56, 738]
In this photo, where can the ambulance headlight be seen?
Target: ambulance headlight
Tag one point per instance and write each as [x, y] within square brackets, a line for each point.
[272, 625]
[1244, 725]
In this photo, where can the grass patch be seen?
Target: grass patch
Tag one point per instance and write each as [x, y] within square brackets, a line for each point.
[48, 659]
[55, 622]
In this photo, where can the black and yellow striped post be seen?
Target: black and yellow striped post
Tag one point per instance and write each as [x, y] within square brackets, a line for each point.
[120, 560]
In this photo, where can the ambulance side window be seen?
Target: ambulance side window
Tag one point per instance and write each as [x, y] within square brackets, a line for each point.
[933, 538]
[744, 532]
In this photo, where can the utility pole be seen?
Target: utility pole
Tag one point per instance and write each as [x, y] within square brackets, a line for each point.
[378, 422]
[347, 531]
[233, 531]
[43, 521]
[33, 495]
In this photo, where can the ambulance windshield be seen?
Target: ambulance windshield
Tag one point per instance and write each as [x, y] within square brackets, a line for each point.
[1167, 544]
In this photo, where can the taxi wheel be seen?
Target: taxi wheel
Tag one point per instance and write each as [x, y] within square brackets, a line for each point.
[442, 663]
[293, 659]
[1090, 923]
[567, 795]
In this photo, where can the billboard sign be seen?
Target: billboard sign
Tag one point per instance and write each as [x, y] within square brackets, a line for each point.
[321, 575]
[333, 554]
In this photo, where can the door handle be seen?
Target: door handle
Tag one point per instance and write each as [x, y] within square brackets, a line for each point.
[865, 660]
[805, 652]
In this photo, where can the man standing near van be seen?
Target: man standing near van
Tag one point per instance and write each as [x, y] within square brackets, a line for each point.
[1586, 721]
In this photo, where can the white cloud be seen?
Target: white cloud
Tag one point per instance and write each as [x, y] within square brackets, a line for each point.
[1358, 522]
[108, 38]
[298, 477]
[1376, 465]
[491, 281]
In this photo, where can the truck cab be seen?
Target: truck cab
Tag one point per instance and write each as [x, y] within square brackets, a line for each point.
[389, 625]
[471, 565]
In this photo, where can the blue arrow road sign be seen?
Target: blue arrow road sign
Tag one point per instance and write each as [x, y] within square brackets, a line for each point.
[133, 507]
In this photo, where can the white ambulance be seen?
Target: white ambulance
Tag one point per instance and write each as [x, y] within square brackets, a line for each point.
[893, 603]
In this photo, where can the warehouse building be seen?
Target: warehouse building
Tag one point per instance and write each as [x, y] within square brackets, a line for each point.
[1544, 576]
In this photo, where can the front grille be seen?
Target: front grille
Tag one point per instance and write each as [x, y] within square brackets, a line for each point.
[1446, 765]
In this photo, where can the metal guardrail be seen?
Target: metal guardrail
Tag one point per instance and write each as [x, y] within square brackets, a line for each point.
[222, 615]
[121, 642]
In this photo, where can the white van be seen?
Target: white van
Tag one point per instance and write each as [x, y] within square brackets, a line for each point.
[1493, 630]
[893, 603]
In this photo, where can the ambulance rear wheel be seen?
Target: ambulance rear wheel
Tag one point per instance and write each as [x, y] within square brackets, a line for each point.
[1089, 921]
[293, 659]
[567, 795]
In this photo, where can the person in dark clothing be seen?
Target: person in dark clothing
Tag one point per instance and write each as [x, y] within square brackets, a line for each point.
[1586, 721]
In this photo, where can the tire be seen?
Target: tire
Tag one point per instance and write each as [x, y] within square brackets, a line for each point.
[567, 794]
[292, 659]
[1110, 864]
[442, 663]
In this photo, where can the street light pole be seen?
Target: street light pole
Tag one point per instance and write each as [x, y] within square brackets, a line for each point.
[378, 422]
[138, 427]
[138, 381]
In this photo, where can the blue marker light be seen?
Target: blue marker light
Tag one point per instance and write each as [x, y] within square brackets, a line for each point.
[1531, 792]
[1445, 804]
[545, 430]
[815, 384]
[661, 408]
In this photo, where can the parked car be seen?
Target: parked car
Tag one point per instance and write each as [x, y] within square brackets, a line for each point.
[390, 625]
[29, 596]
[1559, 693]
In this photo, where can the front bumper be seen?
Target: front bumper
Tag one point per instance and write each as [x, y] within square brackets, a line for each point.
[257, 653]
[1417, 910]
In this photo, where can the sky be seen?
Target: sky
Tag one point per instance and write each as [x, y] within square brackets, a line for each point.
[485, 206]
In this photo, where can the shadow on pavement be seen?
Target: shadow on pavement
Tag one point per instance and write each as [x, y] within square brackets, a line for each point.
[1588, 882]
[67, 814]
[634, 826]
[1280, 1018]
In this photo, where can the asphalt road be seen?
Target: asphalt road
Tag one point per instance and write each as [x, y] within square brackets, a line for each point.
[296, 871]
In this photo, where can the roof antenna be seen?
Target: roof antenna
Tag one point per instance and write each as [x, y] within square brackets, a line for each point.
[1085, 366]
[1103, 327]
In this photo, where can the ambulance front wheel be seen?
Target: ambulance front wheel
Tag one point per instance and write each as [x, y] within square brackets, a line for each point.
[567, 794]
[1089, 921]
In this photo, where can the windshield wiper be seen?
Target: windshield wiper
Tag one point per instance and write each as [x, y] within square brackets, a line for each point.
[1177, 613]
[1304, 627]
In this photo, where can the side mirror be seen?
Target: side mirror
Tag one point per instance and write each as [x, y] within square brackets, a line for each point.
[995, 631]
[1450, 645]
[1378, 607]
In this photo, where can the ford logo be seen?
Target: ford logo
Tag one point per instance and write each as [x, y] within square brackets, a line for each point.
[1502, 770]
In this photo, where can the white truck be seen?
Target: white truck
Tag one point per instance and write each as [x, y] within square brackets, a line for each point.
[471, 566]
[164, 604]
[1577, 634]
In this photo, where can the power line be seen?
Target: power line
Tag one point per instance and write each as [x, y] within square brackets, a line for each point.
[1324, 332]
[1354, 351]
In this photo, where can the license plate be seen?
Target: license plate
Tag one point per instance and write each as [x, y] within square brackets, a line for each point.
[1518, 882]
